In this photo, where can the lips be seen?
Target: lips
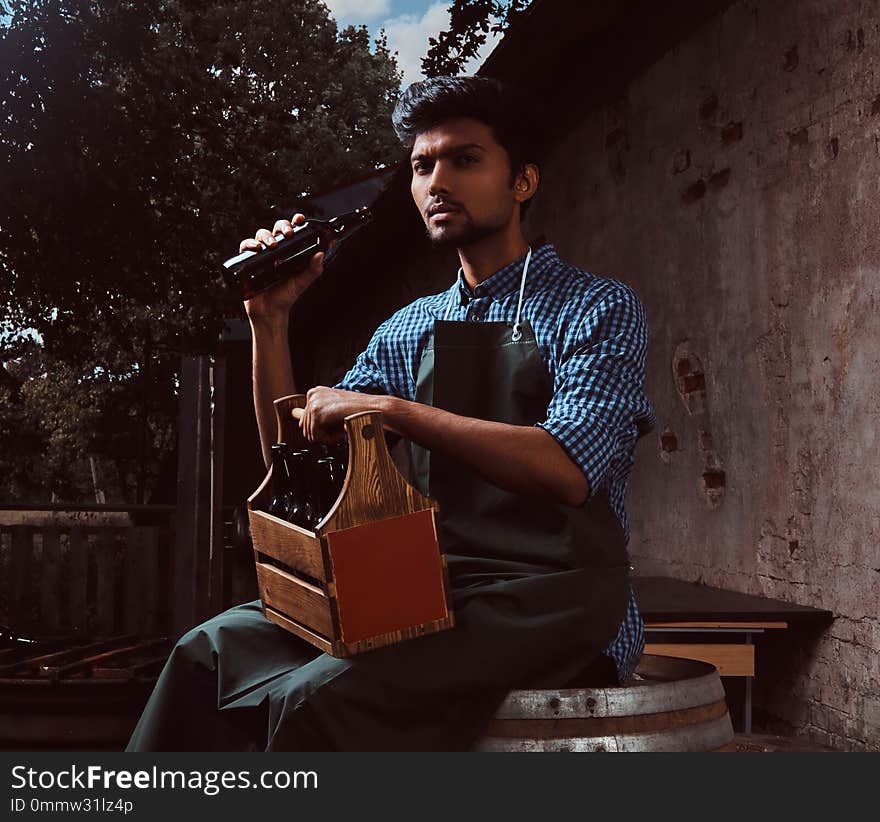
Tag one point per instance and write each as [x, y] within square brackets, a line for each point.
[444, 208]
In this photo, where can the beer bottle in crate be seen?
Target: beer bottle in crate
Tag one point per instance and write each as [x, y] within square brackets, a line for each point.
[280, 499]
[329, 484]
[303, 508]
[339, 451]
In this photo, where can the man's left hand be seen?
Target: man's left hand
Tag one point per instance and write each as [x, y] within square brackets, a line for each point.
[326, 408]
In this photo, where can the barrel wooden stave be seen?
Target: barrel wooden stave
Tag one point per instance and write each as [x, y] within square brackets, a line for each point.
[671, 704]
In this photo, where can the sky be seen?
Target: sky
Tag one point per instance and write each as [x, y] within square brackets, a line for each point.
[408, 24]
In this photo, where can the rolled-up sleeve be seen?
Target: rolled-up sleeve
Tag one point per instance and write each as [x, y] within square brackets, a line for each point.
[599, 408]
[381, 367]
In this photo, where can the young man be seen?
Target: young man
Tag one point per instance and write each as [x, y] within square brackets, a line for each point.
[520, 389]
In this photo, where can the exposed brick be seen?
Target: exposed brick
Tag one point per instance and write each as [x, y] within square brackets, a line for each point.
[799, 137]
[832, 149]
[709, 107]
[713, 479]
[694, 192]
[731, 133]
[871, 711]
[719, 179]
[681, 162]
[773, 283]
[855, 40]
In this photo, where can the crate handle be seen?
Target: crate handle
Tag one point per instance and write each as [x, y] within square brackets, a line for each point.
[288, 427]
[374, 488]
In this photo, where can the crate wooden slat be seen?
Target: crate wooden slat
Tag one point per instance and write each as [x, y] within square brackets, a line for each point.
[299, 629]
[298, 549]
[371, 573]
[286, 593]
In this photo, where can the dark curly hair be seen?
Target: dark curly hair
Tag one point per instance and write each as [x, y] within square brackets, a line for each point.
[428, 103]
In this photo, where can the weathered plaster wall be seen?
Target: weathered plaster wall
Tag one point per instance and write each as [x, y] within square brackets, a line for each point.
[736, 186]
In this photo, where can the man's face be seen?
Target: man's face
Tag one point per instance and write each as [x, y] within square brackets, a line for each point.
[461, 182]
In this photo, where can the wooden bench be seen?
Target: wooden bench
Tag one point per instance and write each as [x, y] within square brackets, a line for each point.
[695, 621]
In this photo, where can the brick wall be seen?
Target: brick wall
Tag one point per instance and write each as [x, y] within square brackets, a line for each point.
[736, 187]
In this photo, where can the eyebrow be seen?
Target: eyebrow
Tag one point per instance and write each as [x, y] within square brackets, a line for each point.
[450, 150]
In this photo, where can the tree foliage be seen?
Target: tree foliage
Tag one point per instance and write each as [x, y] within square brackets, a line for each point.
[140, 140]
[470, 23]
[56, 423]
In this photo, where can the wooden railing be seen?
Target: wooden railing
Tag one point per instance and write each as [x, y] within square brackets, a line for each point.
[94, 579]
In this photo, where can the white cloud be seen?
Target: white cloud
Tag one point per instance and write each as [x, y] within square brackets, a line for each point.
[482, 54]
[408, 35]
[344, 11]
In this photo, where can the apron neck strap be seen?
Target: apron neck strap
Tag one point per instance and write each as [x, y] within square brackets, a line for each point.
[517, 333]
[522, 287]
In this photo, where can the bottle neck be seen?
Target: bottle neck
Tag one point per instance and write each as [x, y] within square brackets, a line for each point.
[280, 474]
[297, 468]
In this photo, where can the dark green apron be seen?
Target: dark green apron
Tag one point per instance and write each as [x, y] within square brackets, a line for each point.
[539, 591]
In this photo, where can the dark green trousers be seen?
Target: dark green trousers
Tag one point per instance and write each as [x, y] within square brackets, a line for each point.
[240, 682]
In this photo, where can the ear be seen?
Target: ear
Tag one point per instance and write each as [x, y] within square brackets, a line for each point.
[526, 183]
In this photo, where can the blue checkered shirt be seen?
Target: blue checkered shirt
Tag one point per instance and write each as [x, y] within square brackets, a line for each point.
[592, 334]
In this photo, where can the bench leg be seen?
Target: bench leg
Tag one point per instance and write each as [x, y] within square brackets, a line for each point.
[747, 711]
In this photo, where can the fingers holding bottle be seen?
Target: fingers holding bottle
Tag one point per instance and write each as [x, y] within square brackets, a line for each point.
[276, 301]
[264, 238]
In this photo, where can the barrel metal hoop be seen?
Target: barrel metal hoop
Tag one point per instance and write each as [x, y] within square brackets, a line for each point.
[705, 736]
[644, 697]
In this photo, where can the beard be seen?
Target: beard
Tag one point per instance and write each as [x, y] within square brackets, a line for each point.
[463, 235]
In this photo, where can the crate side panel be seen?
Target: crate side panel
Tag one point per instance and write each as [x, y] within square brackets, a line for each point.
[388, 575]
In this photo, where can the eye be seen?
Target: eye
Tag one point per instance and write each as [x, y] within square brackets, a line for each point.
[468, 159]
[421, 168]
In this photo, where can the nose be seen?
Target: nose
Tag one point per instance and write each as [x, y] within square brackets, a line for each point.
[439, 183]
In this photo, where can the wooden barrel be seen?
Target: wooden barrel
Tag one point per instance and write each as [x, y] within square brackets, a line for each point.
[670, 704]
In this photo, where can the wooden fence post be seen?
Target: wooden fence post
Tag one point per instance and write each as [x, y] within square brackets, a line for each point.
[193, 533]
[216, 597]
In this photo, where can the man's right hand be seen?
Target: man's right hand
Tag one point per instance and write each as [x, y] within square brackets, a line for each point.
[275, 303]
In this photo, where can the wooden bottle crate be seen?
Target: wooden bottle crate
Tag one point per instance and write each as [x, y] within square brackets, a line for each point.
[372, 572]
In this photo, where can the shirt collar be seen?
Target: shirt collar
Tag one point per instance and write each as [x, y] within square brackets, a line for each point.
[508, 278]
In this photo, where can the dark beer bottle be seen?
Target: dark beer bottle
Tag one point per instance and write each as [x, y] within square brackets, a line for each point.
[254, 271]
[280, 487]
[303, 508]
[339, 451]
[329, 484]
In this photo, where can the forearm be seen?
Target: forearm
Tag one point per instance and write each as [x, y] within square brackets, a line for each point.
[519, 458]
[272, 376]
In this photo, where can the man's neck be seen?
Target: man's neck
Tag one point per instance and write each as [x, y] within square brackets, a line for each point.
[482, 259]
